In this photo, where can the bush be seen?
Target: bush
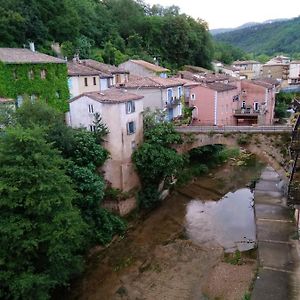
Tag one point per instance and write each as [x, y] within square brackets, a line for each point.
[148, 198]
[243, 139]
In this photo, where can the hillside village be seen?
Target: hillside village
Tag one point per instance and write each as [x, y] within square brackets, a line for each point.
[85, 91]
[240, 94]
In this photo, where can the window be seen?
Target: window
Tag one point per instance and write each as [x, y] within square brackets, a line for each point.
[92, 128]
[169, 95]
[244, 104]
[193, 96]
[32, 98]
[179, 91]
[15, 75]
[85, 81]
[130, 107]
[30, 74]
[43, 74]
[133, 145]
[130, 127]
[91, 108]
[256, 106]
[94, 80]
[19, 100]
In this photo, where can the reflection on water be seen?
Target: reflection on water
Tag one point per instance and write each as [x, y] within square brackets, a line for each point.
[228, 222]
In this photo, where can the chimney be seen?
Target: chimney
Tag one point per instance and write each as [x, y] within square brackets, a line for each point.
[31, 46]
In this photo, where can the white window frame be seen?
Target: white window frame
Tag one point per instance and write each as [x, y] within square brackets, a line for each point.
[129, 132]
[130, 107]
[92, 128]
[91, 108]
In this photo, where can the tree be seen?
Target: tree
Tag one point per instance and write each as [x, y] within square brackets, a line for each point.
[41, 232]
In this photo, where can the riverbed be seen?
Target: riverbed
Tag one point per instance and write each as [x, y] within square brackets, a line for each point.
[177, 251]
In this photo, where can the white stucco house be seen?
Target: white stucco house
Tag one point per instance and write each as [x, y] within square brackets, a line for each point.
[159, 93]
[121, 111]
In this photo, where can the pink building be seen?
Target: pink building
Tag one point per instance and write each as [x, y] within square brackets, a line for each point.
[213, 103]
[243, 102]
[256, 102]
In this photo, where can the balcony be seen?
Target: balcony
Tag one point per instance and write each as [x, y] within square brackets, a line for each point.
[174, 101]
[247, 111]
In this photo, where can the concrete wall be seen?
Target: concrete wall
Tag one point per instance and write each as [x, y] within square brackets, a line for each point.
[118, 168]
[77, 85]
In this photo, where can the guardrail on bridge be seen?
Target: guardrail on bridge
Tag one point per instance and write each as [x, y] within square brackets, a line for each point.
[237, 129]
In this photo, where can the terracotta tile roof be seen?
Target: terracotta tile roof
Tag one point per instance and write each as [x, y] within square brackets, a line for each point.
[149, 66]
[78, 69]
[6, 100]
[105, 68]
[110, 96]
[219, 87]
[26, 56]
[265, 82]
[151, 82]
[196, 69]
[245, 62]
[295, 62]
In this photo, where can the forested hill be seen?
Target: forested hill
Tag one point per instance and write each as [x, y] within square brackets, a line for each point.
[277, 37]
[108, 30]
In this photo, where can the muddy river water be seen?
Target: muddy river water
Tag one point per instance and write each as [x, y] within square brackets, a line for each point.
[173, 252]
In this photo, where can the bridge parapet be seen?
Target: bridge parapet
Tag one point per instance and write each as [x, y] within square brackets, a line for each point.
[235, 129]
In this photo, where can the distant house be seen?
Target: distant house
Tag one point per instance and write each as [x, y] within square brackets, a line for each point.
[294, 72]
[121, 111]
[212, 103]
[231, 71]
[248, 69]
[118, 74]
[83, 79]
[256, 102]
[27, 74]
[159, 93]
[278, 68]
[196, 69]
[144, 68]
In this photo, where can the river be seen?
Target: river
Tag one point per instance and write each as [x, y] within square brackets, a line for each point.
[175, 251]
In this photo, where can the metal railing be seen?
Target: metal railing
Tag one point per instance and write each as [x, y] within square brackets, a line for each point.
[236, 129]
[294, 181]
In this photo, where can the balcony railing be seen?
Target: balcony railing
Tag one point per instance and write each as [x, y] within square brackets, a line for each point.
[247, 111]
[174, 101]
[294, 182]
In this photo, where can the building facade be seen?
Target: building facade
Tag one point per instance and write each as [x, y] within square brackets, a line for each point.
[27, 74]
[159, 93]
[144, 68]
[121, 111]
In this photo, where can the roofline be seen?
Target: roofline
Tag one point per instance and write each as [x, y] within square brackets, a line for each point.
[89, 94]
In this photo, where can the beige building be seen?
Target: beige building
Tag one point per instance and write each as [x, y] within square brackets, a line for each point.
[121, 111]
[144, 68]
[294, 74]
[248, 69]
[279, 71]
[118, 75]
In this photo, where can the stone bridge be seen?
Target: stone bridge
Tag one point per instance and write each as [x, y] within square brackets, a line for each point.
[198, 136]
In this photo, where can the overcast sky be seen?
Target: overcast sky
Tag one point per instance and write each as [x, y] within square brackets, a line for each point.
[233, 13]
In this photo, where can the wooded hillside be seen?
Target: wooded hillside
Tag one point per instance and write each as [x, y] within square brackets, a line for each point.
[108, 30]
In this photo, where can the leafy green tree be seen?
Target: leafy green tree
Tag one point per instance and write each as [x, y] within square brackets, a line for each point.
[41, 232]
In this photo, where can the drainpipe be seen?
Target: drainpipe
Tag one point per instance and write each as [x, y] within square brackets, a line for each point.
[216, 108]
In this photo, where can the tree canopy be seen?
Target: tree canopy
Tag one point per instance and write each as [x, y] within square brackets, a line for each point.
[109, 30]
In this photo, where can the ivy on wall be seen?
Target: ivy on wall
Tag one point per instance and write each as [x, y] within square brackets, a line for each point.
[47, 81]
